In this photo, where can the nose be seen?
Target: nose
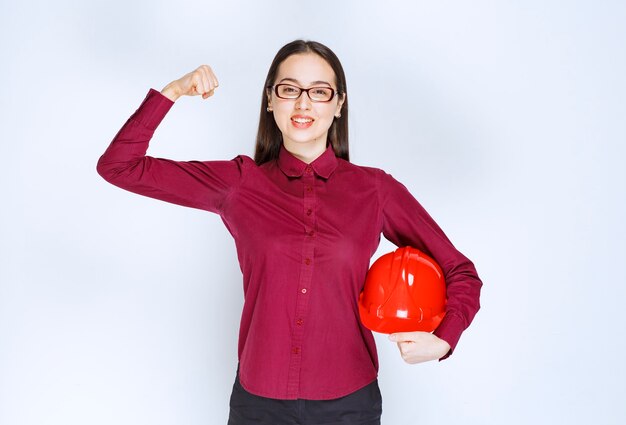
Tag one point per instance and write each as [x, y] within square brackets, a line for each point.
[303, 101]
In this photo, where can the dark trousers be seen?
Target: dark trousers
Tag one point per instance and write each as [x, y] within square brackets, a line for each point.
[362, 407]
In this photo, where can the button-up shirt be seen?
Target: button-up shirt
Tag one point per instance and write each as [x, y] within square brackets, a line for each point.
[304, 234]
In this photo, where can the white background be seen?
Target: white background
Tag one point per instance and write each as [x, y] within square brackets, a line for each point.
[507, 120]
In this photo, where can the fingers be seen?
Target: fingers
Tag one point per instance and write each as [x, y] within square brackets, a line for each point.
[411, 353]
[405, 347]
[402, 336]
[201, 81]
[211, 76]
[422, 347]
[204, 78]
[208, 81]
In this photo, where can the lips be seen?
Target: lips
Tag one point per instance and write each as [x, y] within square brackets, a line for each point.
[302, 121]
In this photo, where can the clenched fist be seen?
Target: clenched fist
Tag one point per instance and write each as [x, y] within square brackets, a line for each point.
[201, 81]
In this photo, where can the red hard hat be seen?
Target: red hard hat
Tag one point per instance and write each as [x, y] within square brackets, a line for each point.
[404, 291]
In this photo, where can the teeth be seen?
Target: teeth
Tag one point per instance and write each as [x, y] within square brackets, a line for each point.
[302, 120]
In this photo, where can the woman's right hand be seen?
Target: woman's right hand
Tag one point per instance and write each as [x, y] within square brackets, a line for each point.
[200, 81]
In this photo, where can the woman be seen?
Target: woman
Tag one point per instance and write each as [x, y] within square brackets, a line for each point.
[306, 223]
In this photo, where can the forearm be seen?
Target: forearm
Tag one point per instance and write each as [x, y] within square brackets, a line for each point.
[463, 288]
[171, 91]
[406, 223]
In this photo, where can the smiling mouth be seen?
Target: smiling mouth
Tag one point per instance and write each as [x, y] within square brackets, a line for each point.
[302, 122]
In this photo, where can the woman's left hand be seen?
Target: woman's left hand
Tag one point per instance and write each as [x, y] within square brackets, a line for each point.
[419, 347]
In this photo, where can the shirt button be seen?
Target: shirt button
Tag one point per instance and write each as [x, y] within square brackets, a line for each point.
[311, 233]
[299, 322]
[309, 211]
[307, 261]
[308, 169]
[304, 290]
[295, 350]
[309, 188]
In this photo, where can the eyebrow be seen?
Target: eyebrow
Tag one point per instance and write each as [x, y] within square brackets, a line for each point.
[298, 82]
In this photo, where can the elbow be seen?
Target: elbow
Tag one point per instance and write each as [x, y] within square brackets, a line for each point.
[113, 172]
[125, 174]
[104, 169]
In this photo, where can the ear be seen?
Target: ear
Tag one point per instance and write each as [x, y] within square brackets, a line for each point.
[268, 93]
[342, 99]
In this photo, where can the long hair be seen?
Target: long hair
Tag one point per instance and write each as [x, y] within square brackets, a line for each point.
[269, 138]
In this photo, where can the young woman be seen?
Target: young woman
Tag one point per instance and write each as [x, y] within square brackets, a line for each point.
[306, 223]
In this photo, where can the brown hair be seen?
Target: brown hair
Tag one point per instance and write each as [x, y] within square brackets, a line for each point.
[269, 138]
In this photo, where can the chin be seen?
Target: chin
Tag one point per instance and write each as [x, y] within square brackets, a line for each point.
[305, 140]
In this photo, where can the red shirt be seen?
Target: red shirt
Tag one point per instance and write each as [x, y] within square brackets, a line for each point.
[305, 234]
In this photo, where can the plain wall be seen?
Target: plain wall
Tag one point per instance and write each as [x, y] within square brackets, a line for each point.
[506, 120]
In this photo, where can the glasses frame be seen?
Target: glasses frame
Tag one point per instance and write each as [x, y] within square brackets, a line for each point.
[275, 89]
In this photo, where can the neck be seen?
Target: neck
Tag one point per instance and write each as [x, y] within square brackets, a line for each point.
[305, 152]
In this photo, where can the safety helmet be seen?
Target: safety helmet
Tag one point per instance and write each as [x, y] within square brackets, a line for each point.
[404, 291]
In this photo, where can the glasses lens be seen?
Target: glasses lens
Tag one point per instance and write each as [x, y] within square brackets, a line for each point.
[287, 92]
[321, 94]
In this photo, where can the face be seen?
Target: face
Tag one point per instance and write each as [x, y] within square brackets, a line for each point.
[300, 120]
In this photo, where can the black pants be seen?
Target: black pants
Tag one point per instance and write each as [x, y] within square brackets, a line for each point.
[362, 407]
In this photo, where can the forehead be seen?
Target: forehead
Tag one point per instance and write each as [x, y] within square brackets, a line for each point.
[306, 68]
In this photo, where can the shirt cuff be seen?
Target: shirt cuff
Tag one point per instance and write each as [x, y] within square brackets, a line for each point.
[450, 330]
[152, 110]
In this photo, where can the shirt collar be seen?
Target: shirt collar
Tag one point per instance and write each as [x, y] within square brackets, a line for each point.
[324, 165]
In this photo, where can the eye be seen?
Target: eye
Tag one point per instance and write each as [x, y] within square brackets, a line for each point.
[321, 91]
[289, 89]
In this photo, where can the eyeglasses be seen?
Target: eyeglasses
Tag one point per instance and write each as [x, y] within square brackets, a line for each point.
[316, 94]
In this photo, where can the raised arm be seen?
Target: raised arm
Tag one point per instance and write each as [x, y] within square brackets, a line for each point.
[196, 184]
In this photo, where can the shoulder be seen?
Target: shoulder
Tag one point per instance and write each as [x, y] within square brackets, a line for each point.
[244, 160]
[359, 170]
[387, 186]
[243, 163]
[368, 174]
